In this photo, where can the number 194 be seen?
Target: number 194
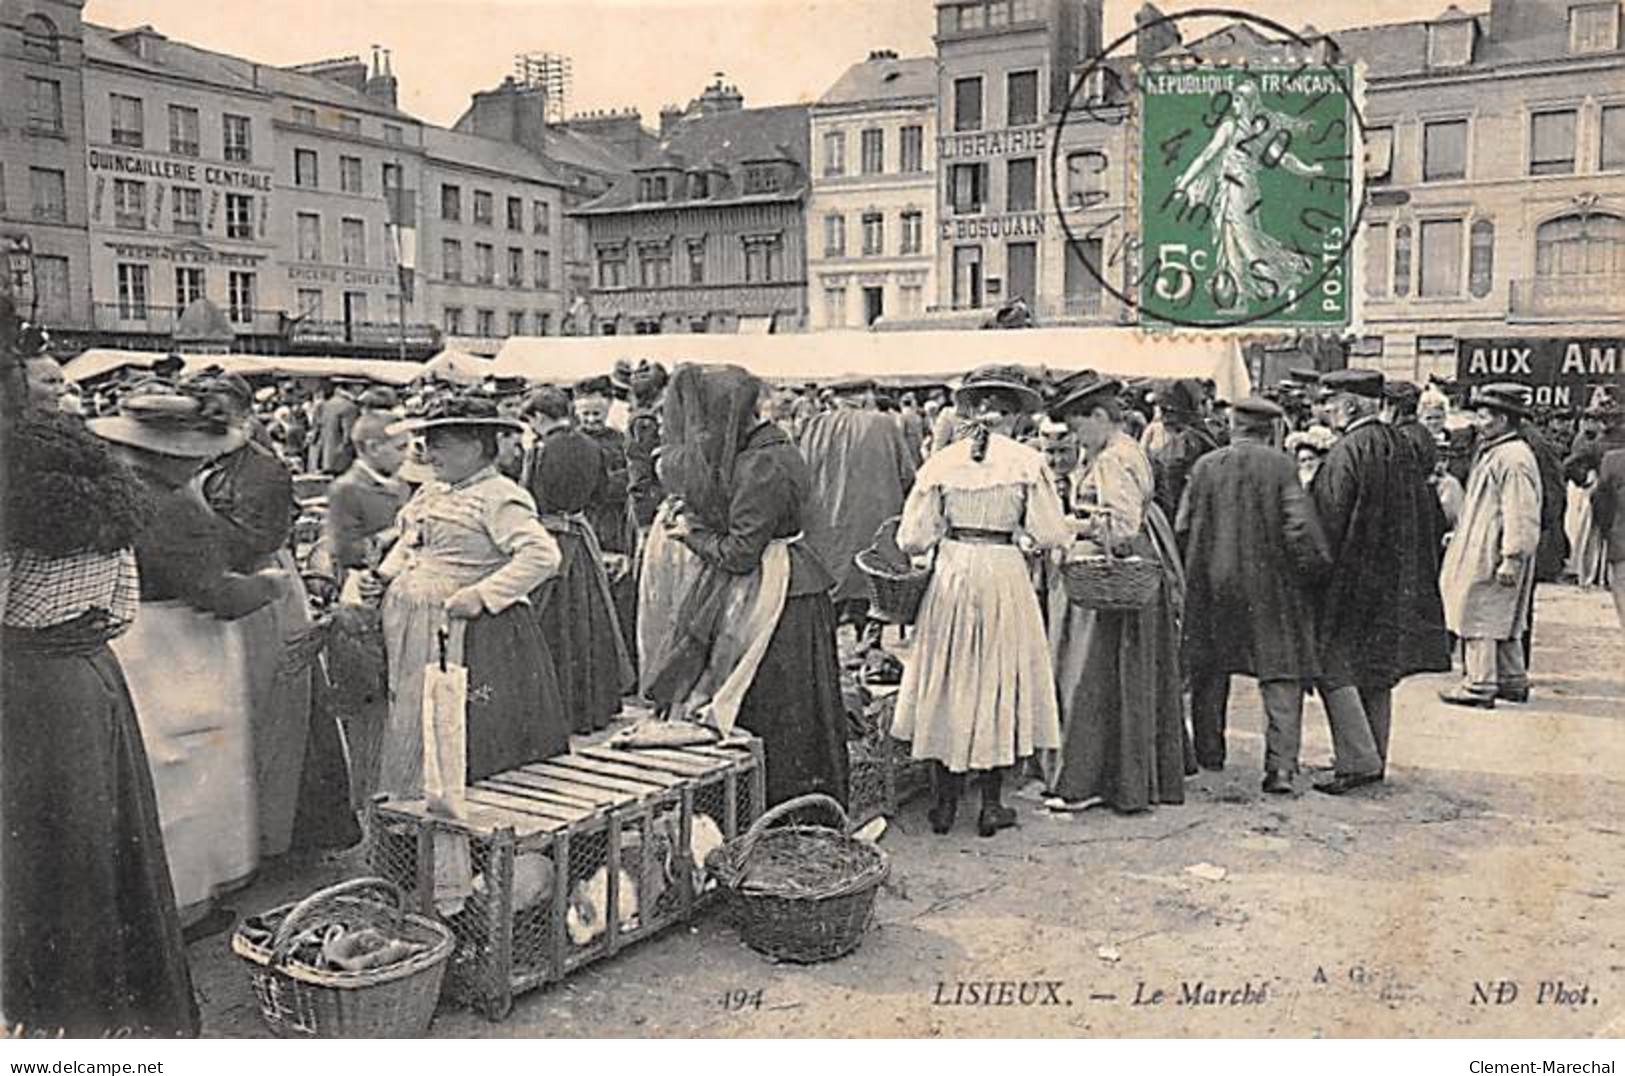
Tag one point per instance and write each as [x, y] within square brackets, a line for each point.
[741, 1000]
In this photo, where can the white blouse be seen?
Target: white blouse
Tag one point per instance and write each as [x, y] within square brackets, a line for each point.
[1011, 490]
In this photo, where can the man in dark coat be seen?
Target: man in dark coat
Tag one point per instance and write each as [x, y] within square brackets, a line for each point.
[1375, 513]
[1252, 548]
[1185, 439]
[861, 471]
[334, 416]
[1553, 554]
[362, 502]
[1608, 506]
[1401, 400]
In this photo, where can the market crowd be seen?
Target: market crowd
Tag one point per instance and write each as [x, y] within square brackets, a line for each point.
[228, 686]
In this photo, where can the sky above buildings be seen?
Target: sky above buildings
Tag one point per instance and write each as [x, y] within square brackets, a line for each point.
[638, 53]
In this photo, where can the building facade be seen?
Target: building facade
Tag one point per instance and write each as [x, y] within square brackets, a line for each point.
[1006, 71]
[872, 213]
[1496, 191]
[179, 180]
[44, 236]
[493, 241]
[709, 235]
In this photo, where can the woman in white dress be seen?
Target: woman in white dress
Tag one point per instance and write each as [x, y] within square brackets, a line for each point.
[978, 694]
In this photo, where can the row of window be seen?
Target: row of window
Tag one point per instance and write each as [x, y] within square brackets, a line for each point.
[131, 206]
[912, 231]
[307, 173]
[872, 153]
[484, 269]
[1590, 246]
[135, 291]
[345, 124]
[128, 128]
[910, 303]
[484, 210]
[485, 322]
[763, 263]
[1020, 101]
[985, 14]
[1554, 145]
[1081, 295]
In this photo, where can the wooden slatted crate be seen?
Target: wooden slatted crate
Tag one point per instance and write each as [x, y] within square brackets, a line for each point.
[621, 828]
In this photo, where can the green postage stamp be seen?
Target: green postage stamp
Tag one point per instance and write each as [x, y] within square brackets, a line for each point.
[1248, 197]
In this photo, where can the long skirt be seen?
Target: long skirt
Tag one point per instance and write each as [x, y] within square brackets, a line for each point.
[279, 698]
[355, 685]
[978, 692]
[91, 938]
[515, 715]
[794, 704]
[188, 675]
[1588, 557]
[583, 633]
[1120, 685]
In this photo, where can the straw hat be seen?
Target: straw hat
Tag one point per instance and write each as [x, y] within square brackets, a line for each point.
[160, 420]
[464, 411]
[990, 379]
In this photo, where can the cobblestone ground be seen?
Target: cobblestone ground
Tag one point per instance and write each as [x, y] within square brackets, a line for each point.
[1481, 892]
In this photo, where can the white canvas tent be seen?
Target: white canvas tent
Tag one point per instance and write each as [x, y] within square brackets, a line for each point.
[894, 357]
[98, 362]
[459, 366]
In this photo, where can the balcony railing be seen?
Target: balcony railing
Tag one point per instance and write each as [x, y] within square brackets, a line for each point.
[1569, 295]
[150, 319]
[380, 334]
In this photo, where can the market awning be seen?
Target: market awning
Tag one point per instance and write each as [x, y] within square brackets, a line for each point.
[755, 326]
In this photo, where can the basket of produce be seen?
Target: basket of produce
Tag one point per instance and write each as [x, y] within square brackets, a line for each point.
[1109, 581]
[348, 962]
[800, 893]
[896, 586]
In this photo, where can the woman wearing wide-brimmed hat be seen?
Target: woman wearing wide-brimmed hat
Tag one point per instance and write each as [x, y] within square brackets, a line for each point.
[470, 553]
[90, 942]
[1118, 673]
[186, 656]
[977, 694]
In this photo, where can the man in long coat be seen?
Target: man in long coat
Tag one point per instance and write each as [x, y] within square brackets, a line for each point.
[1375, 511]
[1185, 439]
[1253, 547]
[861, 472]
[1488, 578]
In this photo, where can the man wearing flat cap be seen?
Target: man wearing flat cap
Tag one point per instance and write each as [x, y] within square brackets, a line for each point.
[861, 472]
[1377, 622]
[1488, 578]
[1253, 554]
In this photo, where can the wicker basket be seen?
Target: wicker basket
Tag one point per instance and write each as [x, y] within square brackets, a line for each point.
[301, 1002]
[800, 894]
[897, 595]
[1110, 583]
[882, 774]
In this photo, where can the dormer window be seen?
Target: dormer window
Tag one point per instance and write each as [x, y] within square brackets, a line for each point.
[1450, 40]
[699, 185]
[761, 179]
[1594, 27]
[652, 189]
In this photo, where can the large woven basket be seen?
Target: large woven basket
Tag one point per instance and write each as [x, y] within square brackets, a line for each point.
[897, 595]
[802, 893]
[1111, 583]
[298, 1001]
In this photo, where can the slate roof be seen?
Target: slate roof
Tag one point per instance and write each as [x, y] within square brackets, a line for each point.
[722, 143]
[216, 68]
[1396, 50]
[457, 148]
[884, 80]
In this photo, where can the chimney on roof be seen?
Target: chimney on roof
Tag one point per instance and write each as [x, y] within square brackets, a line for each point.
[721, 96]
[622, 129]
[348, 71]
[1157, 39]
[512, 112]
[381, 85]
[670, 117]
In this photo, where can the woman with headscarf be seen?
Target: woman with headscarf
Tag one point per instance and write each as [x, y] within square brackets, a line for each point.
[1118, 673]
[471, 552]
[90, 939]
[250, 490]
[978, 695]
[185, 656]
[753, 638]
